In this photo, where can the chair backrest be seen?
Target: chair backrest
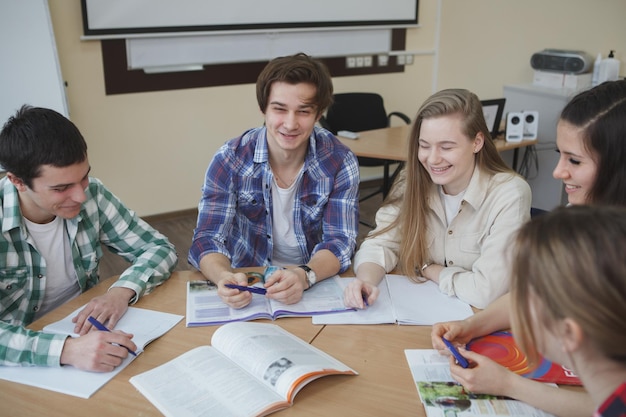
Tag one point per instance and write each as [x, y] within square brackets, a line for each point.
[356, 112]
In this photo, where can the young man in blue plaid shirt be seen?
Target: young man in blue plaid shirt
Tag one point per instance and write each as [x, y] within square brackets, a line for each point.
[283, 194]
[55, 221]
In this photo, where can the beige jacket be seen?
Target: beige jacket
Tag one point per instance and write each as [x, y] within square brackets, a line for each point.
[473, 248]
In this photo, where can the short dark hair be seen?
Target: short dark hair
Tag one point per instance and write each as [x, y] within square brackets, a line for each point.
[36, 136]
[295, 69]
[600, 113]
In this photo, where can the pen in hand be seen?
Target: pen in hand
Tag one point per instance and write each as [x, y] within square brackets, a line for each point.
[255, 290]
[103, 328]
[460, 359]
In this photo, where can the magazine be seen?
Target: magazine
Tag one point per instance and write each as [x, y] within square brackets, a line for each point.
[442, 396]
[205, 307]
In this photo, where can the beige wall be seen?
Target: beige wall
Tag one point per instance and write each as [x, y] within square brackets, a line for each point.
[151, 149]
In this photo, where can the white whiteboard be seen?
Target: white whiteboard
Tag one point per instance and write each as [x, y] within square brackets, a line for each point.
[181, 51]
[29, 66]
[140, 16]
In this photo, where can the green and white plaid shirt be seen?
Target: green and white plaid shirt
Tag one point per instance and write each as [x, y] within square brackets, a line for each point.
[103, 220]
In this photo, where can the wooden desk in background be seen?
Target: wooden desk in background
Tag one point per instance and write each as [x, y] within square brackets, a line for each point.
[392, 143]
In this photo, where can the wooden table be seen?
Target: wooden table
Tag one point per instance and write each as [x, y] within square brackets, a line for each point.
[118, 397]
[384, 386]
[392, 143]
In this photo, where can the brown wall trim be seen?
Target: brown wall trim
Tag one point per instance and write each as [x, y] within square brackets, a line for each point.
[119, 79]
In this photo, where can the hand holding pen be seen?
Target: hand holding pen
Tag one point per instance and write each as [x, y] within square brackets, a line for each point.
[97, 351]
[103, 328]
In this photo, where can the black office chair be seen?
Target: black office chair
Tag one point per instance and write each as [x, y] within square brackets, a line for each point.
[363, 111]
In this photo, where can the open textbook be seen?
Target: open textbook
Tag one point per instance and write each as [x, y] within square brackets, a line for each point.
[442, 396]
[251, 369]
[205, 307]
[403, 301]
[501, 347]
[145, 325]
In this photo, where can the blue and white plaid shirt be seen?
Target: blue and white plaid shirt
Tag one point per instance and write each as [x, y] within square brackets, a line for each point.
[235, 211]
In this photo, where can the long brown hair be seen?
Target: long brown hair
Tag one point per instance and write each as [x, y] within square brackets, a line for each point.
[414, 183]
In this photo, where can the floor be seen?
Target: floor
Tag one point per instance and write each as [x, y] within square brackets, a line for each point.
[179, 230]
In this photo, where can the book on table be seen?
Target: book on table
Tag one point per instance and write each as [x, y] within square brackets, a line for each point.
[205, 307]
[403, 301]
[442, 396]
[501, 348]
[145, 325]
[250, 369]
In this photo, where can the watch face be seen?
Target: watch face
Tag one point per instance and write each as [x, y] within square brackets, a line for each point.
[311, 277]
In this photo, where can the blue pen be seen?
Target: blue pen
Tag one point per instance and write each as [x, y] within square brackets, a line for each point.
[460, 359]
[256, 290]
[102, 328]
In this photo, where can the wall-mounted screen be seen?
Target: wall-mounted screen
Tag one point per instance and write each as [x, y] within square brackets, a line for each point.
[103, 18]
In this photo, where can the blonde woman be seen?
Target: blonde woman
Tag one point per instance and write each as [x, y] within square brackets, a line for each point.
[451, 212]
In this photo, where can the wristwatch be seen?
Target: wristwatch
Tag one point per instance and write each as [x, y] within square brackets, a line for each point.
[311, 278]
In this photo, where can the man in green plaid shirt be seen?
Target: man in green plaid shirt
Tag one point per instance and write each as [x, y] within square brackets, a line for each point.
[55, 221]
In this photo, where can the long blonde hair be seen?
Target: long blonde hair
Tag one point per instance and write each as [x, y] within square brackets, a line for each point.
[571, 261]
[414, 183]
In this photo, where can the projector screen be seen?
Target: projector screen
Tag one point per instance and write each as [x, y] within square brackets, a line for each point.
[106, 18]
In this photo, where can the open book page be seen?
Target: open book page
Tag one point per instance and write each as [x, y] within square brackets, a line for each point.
[146, 325]
[442, 396]
[324, 297]
[275, 356]
[380, 312]
[203, 382]
[251, 369]
[205, 307]
[405, 302]
[423, 303]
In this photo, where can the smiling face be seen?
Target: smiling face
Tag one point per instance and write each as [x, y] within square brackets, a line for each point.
[290, 117]
[577, 168]
[58, 191]
[446, 153]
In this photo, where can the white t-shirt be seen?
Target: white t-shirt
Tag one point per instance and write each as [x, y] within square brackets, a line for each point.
[286, 248]
[451, 203]
[53, 245]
